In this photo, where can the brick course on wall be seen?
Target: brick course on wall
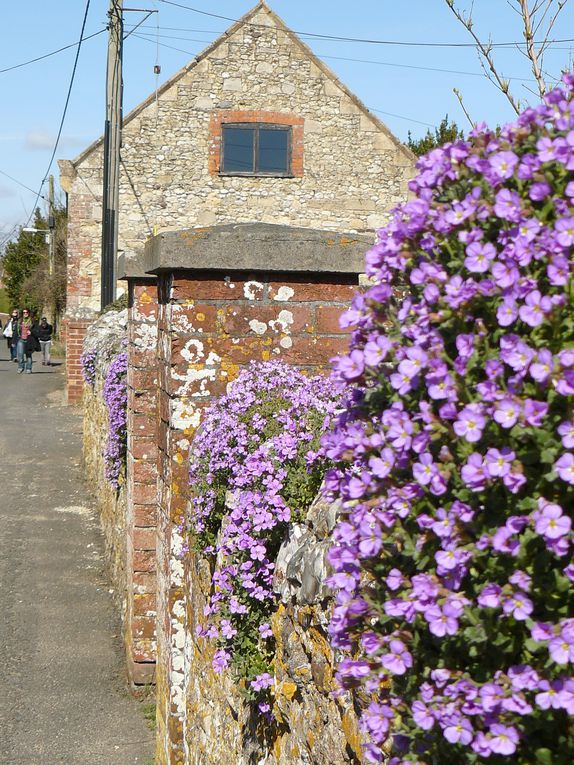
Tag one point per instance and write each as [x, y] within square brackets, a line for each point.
[141, 482]
[74, 331]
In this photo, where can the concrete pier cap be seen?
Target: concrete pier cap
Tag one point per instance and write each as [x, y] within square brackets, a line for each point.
[256, 247]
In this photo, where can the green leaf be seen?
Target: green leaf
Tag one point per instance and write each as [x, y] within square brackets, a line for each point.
[543, 756]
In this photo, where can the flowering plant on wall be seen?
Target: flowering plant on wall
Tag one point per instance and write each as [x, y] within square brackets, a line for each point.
[455, 461]
[116, 397]
[88, 364]
[254, 469]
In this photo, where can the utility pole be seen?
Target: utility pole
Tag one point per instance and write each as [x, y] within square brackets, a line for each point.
[112, 143]
[51, 225]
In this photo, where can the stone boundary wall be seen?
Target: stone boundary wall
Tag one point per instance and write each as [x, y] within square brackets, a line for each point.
[312, 725]
[110, 503]
[106, 336]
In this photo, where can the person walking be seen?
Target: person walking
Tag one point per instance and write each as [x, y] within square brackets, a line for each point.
[45, 338]
[11, 334]
[27, 341]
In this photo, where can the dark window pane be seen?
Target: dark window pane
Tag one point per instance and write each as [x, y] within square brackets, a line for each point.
[238, 150]
[273, 151]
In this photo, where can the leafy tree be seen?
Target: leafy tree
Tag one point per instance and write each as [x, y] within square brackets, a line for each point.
[27, 269]
[443, 134]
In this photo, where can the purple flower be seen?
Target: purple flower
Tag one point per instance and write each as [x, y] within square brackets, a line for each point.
[564, 228]
[220, 660]
[551, 523]
[458, 730]
[507, 312]
[473, 473]
[518, 605]
[351, 367]
[479, 256]
[566, 430]
[382, 466]
[422, 715]
[507, 205]
[262, 681]
[503, 739]
[542, 368]
[503, 164]
[534, 309]
[498, 461]
[506, 413]
[490, 596]
[398, 660]
[440, 624]
[376, 721]
[424, 469]
[565, 467]
[470, 423]
[376, 351]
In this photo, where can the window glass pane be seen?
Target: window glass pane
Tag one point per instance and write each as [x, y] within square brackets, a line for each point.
[238, 150]
[273, 151]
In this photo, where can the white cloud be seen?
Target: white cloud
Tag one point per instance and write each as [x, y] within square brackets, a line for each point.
[6, 192]
[41, 140]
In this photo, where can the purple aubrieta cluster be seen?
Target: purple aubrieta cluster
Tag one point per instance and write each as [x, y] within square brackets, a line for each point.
[88, 366]
[455, 459]
[116, 399]
[254, 468]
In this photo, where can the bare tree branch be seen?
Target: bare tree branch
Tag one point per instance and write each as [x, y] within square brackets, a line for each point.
[457, 93]
[530, 47]
[486, 51]
[537, 17]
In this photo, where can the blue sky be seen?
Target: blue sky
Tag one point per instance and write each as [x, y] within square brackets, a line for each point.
[407, 86]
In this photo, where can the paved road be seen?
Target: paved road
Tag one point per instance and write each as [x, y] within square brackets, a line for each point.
[63, 696]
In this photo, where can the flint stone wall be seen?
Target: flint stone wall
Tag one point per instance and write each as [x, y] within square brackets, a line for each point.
[107, 336]
[313, 725]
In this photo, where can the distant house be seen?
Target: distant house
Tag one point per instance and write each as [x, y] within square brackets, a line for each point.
[255, 129]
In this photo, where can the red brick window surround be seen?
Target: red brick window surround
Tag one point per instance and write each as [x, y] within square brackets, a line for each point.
[279, 119]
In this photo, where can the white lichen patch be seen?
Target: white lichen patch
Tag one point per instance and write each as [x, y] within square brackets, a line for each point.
[146, 337]
[283, 322]
[286, 342]
[259, 327]
[228, 283]
[180, 320]
[252, 290]
[184, 416]
[284, 293]
[193, 351]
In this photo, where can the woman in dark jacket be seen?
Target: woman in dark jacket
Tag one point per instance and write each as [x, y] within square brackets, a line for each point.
[28, 342]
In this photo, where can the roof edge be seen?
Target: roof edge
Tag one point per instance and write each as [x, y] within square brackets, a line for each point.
[327, 71]
[175, 77]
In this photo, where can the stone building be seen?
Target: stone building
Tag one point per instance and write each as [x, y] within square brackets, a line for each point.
[254, 129]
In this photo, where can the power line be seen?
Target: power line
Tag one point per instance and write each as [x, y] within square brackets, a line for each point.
[65, 108]
[356, 60]
[358, 39]
[52, 53]
[303, 35]
[20, 183]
